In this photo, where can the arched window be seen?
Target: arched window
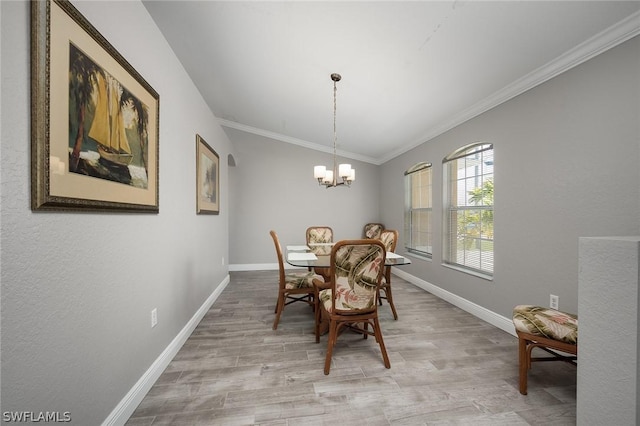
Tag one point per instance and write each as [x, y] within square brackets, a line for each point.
[468, 209]
[418, 210]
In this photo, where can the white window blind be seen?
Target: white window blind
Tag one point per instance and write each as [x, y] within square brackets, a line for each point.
[418, 232]
[468, 209]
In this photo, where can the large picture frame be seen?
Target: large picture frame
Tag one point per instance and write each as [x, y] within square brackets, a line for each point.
[94, 119]
[207, 178]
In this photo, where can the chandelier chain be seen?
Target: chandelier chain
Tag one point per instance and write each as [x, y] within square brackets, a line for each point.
[329, 177]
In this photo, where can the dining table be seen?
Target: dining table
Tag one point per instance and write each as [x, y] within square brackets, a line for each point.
[318, 255]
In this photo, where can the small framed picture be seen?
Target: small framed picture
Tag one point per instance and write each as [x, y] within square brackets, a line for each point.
[207, 178]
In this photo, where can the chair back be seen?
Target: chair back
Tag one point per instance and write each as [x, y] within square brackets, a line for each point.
[389, 238]
[319, 234]
[276, 242]
[372, 231]
[356, 271]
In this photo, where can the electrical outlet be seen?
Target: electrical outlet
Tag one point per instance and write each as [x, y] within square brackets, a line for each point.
[154, 317]
[222, 260]
[553, 301]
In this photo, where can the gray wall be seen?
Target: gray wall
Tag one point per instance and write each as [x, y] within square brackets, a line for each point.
[608, 297]
[76, 332]
[273, 187]
[566, 166]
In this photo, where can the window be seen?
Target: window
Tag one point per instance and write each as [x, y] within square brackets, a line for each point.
[468, 208]
[418, 210]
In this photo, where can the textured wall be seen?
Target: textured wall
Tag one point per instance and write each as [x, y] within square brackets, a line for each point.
[273, 188]
[608, 297]
[78, 289]
[566, 166]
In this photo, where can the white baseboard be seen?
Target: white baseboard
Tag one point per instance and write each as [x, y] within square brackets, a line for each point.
[259, 267]
[503, 323]
[132, 399]
[127, 406]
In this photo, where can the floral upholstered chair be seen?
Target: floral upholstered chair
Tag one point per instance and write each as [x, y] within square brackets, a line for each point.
[292, 287]
[547, 329]
[320, 235]
[349, 299]
[372, 231]
[389, 238]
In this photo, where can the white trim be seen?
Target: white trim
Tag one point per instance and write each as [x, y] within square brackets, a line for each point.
[600, 43]
[295, 141]
[258, 267]
[136, 394]
[503, 323]
[607, 39]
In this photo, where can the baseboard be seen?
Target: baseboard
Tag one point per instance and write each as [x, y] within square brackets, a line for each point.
[128, 404]
[503, 323]
[132, 399]
[259, 267]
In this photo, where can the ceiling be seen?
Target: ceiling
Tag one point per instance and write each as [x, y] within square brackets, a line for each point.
[410, 70]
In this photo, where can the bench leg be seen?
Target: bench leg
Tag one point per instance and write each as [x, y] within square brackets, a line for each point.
[523, 364]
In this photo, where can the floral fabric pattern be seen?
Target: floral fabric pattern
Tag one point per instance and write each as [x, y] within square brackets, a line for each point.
[356, 278]
[300, 280]
[546, 322]
[319, 235]
[388, 238]
[372, 231]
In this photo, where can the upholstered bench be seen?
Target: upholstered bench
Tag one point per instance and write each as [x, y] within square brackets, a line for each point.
[547, 329]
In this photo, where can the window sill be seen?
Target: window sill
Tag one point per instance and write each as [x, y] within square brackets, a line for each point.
[469, 271]
[418, 256]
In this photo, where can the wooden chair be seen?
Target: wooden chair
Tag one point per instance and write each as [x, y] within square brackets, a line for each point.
[320, 235]
[292, 287]
[389, 238]
[349, 299]
[547, 329]
[372, 231]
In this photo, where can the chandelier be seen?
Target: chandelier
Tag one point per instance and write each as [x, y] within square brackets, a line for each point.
[329, 178]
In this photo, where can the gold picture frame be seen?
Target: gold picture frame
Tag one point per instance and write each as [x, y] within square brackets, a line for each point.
[207, 178]
[94, 119]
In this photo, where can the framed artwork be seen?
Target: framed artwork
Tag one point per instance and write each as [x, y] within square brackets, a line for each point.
[94, 119]
[207, 178]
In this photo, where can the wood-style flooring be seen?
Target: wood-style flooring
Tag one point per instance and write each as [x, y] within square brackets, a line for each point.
[447, 368]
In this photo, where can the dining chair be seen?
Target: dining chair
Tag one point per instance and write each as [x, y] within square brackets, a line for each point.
[320, 235]
[349, 299]
[292, 287]
[372, 231]
[389, 238]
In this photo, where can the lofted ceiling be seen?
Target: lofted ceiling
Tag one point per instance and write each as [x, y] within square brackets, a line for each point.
[410, 70]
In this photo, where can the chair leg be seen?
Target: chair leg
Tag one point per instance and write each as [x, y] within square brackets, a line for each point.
[333, 336]
[317, 310]
[279, 309]
[523, 364]
[387, 292]
[378, 334]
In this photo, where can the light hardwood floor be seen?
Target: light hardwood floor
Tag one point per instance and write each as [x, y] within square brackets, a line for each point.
[447, 368]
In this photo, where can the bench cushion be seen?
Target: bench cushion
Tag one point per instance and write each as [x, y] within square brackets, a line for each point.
[546, 322]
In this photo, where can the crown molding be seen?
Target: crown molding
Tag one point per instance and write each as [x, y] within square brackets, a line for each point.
[295, 141]
[594, 46]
